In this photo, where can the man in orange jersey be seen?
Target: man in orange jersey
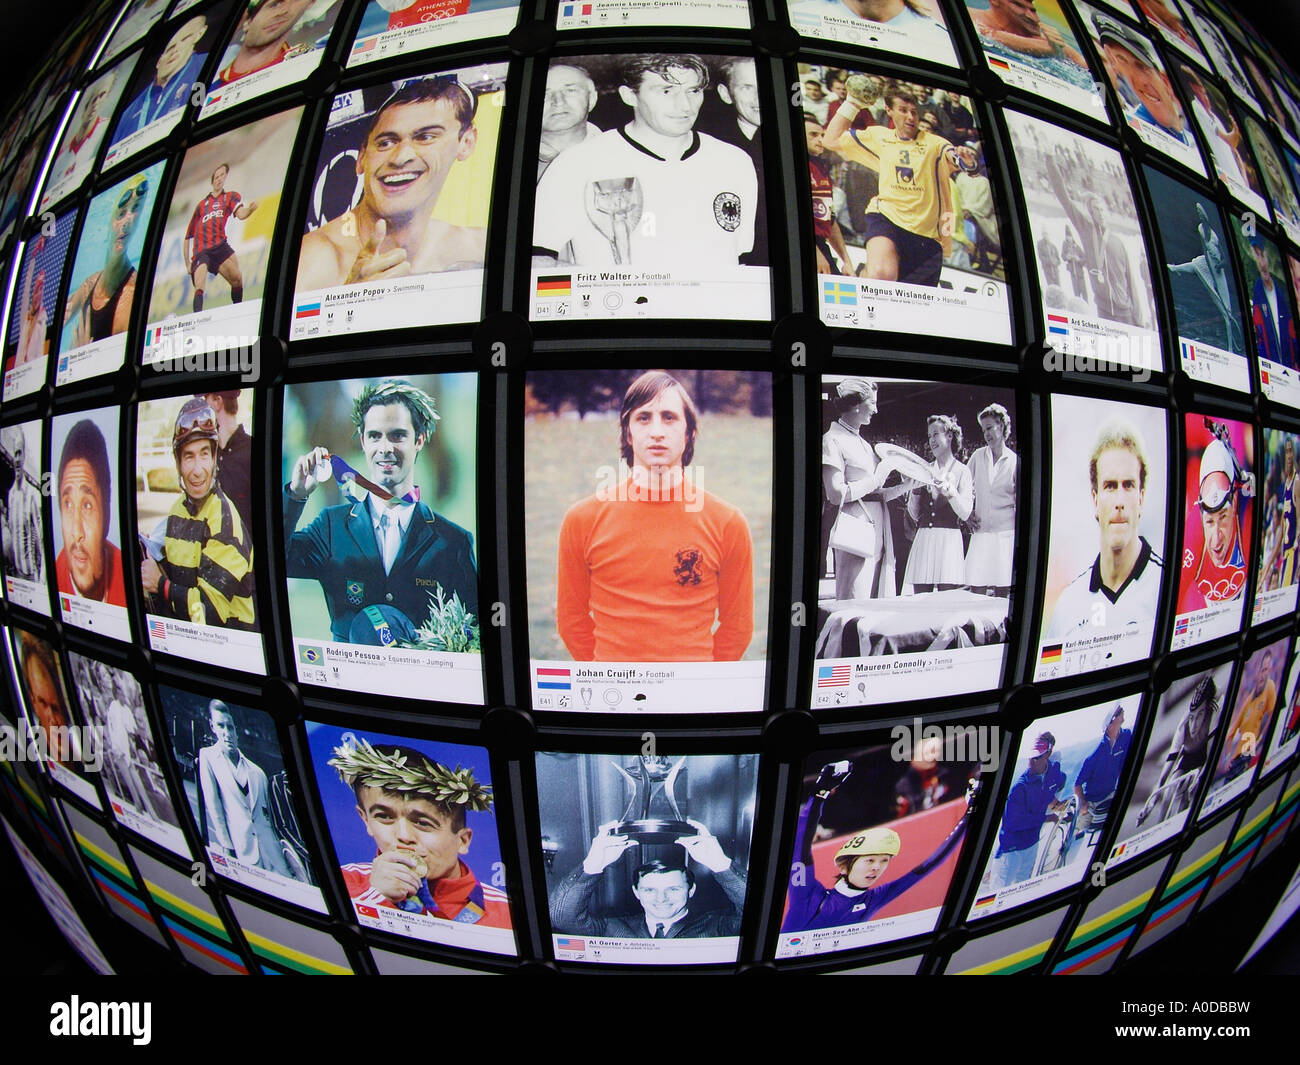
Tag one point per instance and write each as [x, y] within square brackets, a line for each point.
[658, 570]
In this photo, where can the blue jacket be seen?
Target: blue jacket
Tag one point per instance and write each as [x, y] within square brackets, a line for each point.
[1022, 820]
[154, 102]
[813, 906]
[338, 549]
[1101, 770]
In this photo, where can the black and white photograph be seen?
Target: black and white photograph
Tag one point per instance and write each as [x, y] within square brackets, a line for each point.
[404, 27]
[240, 795]
[23, 485]
[163, 85]
[685, 823]
[905, 223]
[1105, 564]
[1245, 736]
[1181, 744]
[1224, 136]
[599, 14]
[650, 205]
[920, 488]
[1146, 94]
[1221, 57]
[112, 701]
[1068, 769]
[1093, 275]
[914, 28]
[1031, 46]
[276, 43]
[1278, 580]
[396, 229]
[1198, 263]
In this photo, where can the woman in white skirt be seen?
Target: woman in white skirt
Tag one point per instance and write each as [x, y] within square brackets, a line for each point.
[937, 561]
[994, 469]
[862, 545]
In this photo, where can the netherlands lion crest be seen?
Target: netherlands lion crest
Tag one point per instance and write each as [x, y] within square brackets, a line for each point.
[687, 570]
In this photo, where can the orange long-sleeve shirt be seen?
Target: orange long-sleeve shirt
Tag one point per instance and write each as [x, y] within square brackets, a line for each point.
[644, 580]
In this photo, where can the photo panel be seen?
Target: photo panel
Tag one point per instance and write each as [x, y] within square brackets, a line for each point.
[918, 502]
[380, 556]
[418, 840]
[1198, 263]
[1223, 135]
[71, 754]
[879, 833]
[687, 821]
[241, 795]
[1279, 556]
[23, 484]
[396, 228]
[1286, 208]
[87, 532]
[85, 133]
[1146, 95]
[916, 29]
[1093, 275]
[276, 43]
[167, 79]
[403, 27]
[1182, 741]
[1031, 47]
[112, 702]
[1286, 737]
[34, 313]
[1068, 769]
[652, 207]
[101, 291]
[1272, 317]
[904, 220]
[1246, 733]
[195, 552]
[1218, 524]
[1167, 18]
[13, 208]
[646, 591]
[1221, 57]
[1106, 551]
[603, 14]
[214, 259]
[139, 19]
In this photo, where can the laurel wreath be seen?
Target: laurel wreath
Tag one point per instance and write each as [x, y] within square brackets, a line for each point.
[364, 765]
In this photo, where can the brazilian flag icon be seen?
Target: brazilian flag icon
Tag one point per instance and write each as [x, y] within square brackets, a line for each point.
[310, 655]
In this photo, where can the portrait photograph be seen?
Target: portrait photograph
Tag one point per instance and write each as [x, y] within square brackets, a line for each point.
[878, 836]
[87, 532]
[70, 760]
[380, 515]
[1106, 551]
[101, 288]
[1279, 496]
[416, 838]
[919, 499]
[396, 227]
[1274, 175]
[1272, 313]
[685, 823]
[1246, 731]
[648, 503]
[86, 130]
[194, 559]
[1286, 736]
[240, 795]
[22, 518]
[1218, 527]
[1167, 18]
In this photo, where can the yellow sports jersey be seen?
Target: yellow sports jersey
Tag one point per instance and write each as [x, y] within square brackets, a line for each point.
[915, 178]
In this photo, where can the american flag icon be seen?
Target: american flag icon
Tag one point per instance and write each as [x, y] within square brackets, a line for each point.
[157, 630]
[833, 676]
